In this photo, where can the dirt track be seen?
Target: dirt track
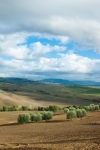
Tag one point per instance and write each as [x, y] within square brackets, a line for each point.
[57, 134]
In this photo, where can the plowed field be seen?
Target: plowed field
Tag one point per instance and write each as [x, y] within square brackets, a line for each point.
[56, 134]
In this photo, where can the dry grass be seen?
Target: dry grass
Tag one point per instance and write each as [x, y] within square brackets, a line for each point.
[10, 99]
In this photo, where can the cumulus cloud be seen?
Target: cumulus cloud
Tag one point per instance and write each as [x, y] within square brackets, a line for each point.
[69, 65]
[9, 46]
[15, 46]
[62, 20]
[77, 20]
[38, 49]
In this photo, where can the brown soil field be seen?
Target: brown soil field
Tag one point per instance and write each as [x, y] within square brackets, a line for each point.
[56, 134]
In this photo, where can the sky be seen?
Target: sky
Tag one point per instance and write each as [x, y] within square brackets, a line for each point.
[50, 39]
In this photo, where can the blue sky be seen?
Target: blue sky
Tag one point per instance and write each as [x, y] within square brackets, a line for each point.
[71, 45]
[50, 39]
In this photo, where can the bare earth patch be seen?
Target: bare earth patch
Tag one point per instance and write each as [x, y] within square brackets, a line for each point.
[57, 134]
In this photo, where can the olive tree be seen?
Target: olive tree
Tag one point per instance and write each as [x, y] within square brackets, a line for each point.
[47, 115]
[71, 114]
[23, 118]
[36, 117]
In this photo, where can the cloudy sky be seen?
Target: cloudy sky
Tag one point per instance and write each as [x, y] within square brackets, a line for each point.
[50, 39]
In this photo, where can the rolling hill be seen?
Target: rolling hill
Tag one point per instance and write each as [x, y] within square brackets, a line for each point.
[74, 82]
[17, 91]
[24, 81]
[19, 81]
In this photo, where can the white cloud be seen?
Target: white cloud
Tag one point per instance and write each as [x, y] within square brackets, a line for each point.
[69, 66]
[62, 20]
[32, 61]
[76, 20]
[38, 49]
[69, 63]
[15, 47]
[9, 46]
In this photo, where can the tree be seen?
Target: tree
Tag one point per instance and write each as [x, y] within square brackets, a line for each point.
[54, 108]
[66, 110]
[71, 114]
[96, 107]
[81, 113]
[47, 115]
[36, 117]
[23, 118]
[24, 108]
[14, 108]
[92, 107]
[4, 108]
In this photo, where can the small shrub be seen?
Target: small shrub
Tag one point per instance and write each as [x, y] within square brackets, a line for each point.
[84, 113]
[33, 117]
[36, 117]
[53, 108]
[4, 108]
[71, 114]
[79, 113]
[96, 107]
[23, 118]
[76, 106]
[47, 115]
[39, 108]
[14, 108]
[43, 108]
[81, 107]
[66, 110]
[23, 108]
[87, 108]
[92, 107]
[72, 108]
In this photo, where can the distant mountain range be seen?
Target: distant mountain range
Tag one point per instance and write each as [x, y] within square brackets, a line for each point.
[23, 81]
[19, 81]
[74, 82]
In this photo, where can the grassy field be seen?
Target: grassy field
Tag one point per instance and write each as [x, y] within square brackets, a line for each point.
[56, 93]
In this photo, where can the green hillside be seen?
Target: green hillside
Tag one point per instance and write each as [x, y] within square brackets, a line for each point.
[69, 94]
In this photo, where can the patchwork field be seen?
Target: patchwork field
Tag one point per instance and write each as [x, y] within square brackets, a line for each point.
[56, 134]
[50, 94]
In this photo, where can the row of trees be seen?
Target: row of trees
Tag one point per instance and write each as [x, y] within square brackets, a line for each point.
[53, 108]
[75, 113]
[24, 118]
[79, 112]
[90, 107]
[15, 108]
[47, 115]
[71, 112]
